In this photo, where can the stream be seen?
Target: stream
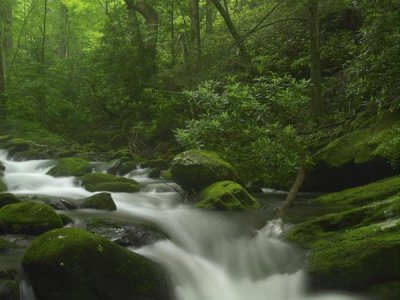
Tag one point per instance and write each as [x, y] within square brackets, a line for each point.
[209, 255]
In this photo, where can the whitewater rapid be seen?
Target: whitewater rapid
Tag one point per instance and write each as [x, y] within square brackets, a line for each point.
[209, 256]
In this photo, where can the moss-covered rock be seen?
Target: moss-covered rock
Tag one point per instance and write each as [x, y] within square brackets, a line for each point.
[196, 169]
[385, 291]
[155, 163]
[7, 198]
[167, 174]
[96, 182]
[16, 145]
[227, 195]
[28, 218]
[99, 201]
[354, 248]
[127, 167]
[66, 220]
[352, 159]
[372, 192]
[70, 263]
[9, 289]
[154, 173]
[70, 167]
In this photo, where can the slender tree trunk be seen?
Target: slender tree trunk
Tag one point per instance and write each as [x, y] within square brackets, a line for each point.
[315, 59]
[172, 25]
[209, 17]
[291, 197]
[233, 31]
[195, 28]
[42, 92]
[7, 19]
[3, 98]
[63, 31]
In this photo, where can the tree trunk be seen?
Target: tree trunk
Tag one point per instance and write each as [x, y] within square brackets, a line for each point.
[3, 98]
[63, 31]
[195, 28]
[291, 197]
[315, 59]
[41, 99]
[172, 24]
[209, 17]
[233, 31]
[7, 19]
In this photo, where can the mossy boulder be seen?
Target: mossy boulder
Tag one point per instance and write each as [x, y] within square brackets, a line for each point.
[70, 167]
[372, 192]
[155, 163]
[197, 169]
[70, 263]
[28, 218]
[353, 249]
[7, 198]
[102, 201]
[227, 195]
[352, 159]
[9, 289]
[96, 182]
[127, 167]
[66, 220]
[16, 145]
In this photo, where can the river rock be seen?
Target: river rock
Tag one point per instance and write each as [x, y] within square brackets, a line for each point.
[7, 198]
[96, 182]
[196, 169]
[227, 195]
[154, 173]
[124, 233]
[16, 145]
[70, 263]
[70, 167]
[127, 167]
[102, 201]
[28, 218]
[155, 163]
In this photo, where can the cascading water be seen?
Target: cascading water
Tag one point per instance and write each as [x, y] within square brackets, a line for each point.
[209, 256]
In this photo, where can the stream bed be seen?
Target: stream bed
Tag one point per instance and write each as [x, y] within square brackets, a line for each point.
[208, 255]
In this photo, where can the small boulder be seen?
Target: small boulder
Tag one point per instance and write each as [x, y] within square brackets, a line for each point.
[96, 182]
[70, 263]
[66, 220]
[70, 167]
[227, 195]
[155, 163]
[127, 167]
[196, 169]
[16, 145]
[7, 198]
[102, 201]
[154, 173]
[28, 218]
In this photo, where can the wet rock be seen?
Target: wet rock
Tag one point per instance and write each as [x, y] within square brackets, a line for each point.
[28, 218]
[155, 163]
[9, 289]
[97, 182]
[70, 263]
[7, 198]
[70, 167]
[16, 145]
[124, 233]
[102, 201]
[154, 173]
[114, 167]
[196, 169]
[5, 246]
[127, 167]
[66, 220]
[227, 195]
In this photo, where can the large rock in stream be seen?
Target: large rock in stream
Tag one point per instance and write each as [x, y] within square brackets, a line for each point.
[96, 182]
[197, 169]
[70, 263]
[70, 167]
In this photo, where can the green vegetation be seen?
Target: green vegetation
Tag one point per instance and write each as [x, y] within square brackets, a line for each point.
[70, 167]
[96, 182]
[227, 195]
[6, 198]
[196, 169]
[90, 266]
[99, 201]
[28, 218]
[9, 289]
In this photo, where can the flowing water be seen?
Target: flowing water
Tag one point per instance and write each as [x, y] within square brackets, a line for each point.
[209, 256]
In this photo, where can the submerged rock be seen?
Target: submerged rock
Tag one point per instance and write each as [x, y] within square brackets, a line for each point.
[70, 167]
[7, 198]
[70, 263]
[124, 233]
[28, 218]
[96, 182]
[99, 201]
[227, 195]
[196, 169]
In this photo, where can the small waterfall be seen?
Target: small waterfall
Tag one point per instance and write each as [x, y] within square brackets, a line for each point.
[209, 256]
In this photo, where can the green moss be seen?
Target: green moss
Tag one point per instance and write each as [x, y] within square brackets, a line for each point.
[127, 167]
[167, 174]
[385, 291]
[95, 182]
[358, 146]
[66, 219]
[365, 194]
[71, 263]
[9, 289]
[70, 167]
[6, 198]
[4, 139]
[196, 169]
[99, 201]
[227, 195]
[28, 218]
